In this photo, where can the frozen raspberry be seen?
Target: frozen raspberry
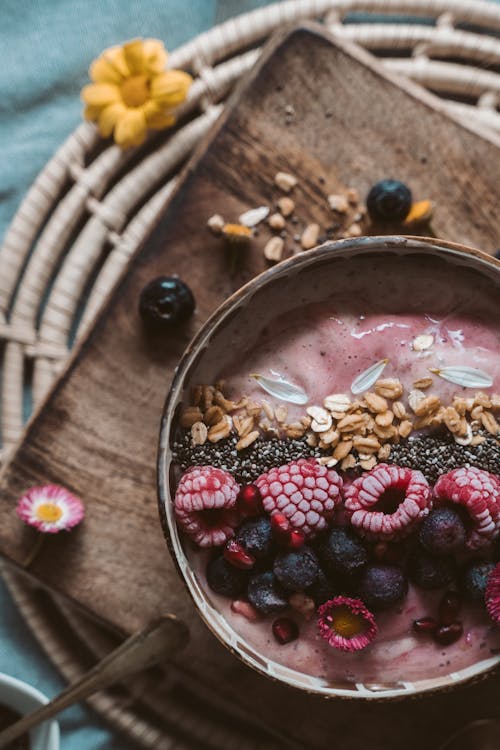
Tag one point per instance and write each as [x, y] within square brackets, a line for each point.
[387, 502]
[479, 493]
[204, 505]
[303, 491]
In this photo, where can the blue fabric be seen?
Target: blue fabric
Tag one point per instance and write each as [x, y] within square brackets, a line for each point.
[47, 46]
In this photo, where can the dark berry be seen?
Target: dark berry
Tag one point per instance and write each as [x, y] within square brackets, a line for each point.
[285, 630]
[225, 579]
[298, 569]
[382, 586]
[443, 531]
[237, 555]
[445, 635]
[166, 301]
[265, 593]
[474, 579]
[430, 572]
[250, 500]
[389, 201]
[425, 625]
[496, 550]
[256, 536]
[342, 554]
[323, 589]
[449, 607]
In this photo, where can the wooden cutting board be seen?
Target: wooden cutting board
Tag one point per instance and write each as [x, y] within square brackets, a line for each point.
[325, 112]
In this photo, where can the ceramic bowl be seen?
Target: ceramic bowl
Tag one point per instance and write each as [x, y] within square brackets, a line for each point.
[23, 698]
[236, 320]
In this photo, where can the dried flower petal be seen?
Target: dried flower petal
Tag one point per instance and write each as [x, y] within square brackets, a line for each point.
[282, 389]
[368, 377]
[468, 377]
[50, 509]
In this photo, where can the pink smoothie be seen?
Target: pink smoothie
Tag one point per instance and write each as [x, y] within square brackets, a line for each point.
[322, 337]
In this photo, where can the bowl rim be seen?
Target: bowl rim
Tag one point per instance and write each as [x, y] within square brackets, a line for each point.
[399, 244]
[46, 735]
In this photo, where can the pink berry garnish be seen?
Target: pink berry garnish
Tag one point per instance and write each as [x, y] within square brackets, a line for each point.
[387, 502]
[237, 555]
[478, 492]
[285, 630]
[305, 492]
[50, 508]
[205, 505]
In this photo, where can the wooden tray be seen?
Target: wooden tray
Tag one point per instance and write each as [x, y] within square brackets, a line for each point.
[97, 432]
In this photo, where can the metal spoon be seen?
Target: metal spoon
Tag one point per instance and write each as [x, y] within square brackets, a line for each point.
[158, 640]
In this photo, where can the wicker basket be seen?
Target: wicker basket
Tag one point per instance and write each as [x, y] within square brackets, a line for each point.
[92, 205]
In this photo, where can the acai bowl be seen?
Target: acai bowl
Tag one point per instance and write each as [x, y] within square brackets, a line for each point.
[329, 463]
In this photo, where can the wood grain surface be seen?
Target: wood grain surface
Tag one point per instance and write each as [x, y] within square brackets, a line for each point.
[97, 432]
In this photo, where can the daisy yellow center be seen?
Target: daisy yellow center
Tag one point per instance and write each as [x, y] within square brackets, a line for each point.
[49, 512]
[345, 623]
[135, 91]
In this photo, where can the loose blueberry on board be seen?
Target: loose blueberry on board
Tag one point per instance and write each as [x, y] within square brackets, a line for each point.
[298, 569]
[382, 586]
[264, 592]
[475, 579]
[429, 572]
[256, 536]
[166, 302]
[389, 201]
[443, 531]
[225, 579]
[342, 553]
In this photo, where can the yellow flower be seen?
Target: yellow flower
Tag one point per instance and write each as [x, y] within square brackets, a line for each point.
[132, 91]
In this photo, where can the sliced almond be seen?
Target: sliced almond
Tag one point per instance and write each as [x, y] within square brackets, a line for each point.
[221, 430]
[199, 433]
[427, 406]
[281, 413]
[385, 433]
[312, 440]
[328, 461]
[294, 430]
[349, 462]
[244, 442]
[342, 449]
[368, 444]
[352, 423]
[415, 397]
[310, 236]
[285, 181]
[384, 451]
[277, 222]
[338, 203]
[273, 249]
[490, 423]
[405, 428]
[453, 421]
[254, 408]
[213, 415]
[423, 383]
[385, 419]
[390, 388]
[244, 425]
[268, 410]
[337, 402]
[375, 403]
[190, 415]
[368, 463]
[482, 399]
[399, 410]
[330, 438]
[286, 206]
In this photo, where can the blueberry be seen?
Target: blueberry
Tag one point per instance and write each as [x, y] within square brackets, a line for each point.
[474, 579]
[265, 593]
[298, 569]
[382, 586]
[225, 579]
[256, 536]
[323, 588]
[389, 201]
[165, 302]
[342, 554]
[430, 572]
[443, 531]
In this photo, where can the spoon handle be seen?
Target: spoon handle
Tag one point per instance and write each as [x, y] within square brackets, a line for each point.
[158, 640]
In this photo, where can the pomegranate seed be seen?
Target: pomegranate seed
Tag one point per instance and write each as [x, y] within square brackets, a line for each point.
[237, 555]
[296, 539]
[449, 607]
[281, 527]
[448, 634]
[425, 625]
[285, 630]
[250, 500]
[245, 609]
